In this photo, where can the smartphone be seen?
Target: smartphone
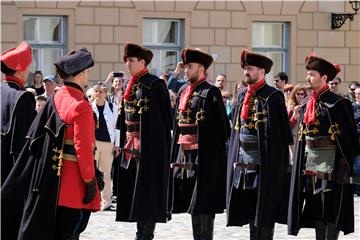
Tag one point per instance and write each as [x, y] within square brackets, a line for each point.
[118, 74]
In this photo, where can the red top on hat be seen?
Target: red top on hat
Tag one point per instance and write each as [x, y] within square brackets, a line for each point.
[18, 58]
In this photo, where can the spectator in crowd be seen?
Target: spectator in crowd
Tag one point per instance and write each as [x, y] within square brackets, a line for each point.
[107, 138]
[293, 107]
[240, 85]
[39, 103]
[49, 85]
[165, 77]
[38, 83]
[226, 97]
[352, 86]
[220, 82]
[287, 91]
[334, 85]
[17, 114]
[280, 80]
[116, 89]
[356, 108]
[175, 81]
[90, 94]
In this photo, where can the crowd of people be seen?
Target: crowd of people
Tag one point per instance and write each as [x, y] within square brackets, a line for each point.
[149, 147]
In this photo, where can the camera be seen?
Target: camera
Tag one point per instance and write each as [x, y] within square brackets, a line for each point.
[118, 74]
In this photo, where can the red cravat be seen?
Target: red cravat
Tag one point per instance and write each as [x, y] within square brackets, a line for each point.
[133, 79]
[187, 93]
[249, 93]
[8, 78]
[310, 115]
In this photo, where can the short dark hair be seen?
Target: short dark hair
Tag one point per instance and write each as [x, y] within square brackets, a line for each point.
[283, 76]
[40, 98]
[6, 70]
[222, 74]
[338, 78]
[354, 83]
[61, 73]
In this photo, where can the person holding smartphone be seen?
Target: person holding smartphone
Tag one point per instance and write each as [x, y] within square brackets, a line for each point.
[116, 90]
[175, 81]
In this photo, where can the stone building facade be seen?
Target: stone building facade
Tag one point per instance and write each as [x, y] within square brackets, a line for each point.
[222, 28]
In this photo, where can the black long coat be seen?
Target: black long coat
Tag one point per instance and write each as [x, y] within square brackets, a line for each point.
[340, 111]
[269, 203]
[17, 114]
[207, 194]
[29, 194]
[143, 187]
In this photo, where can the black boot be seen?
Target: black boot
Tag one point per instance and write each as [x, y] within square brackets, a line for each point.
[326, 231]
[203, 226]
[145, 230]
[261, 233]
[196, 227]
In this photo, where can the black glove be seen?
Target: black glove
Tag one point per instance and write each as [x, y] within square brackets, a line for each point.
[90, 191]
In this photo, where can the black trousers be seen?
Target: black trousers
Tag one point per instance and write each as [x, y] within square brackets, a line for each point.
[203, 226]
[261, 233]
[70, 223]
[326, 231]
[145, 230]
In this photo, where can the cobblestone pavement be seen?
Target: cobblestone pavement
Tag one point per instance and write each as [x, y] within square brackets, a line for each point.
[102, 226]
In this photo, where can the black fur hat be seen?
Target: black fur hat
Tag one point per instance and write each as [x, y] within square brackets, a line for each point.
[134, 50]
[257, 60]
[322, 66]
[75, 62]
[192, 55]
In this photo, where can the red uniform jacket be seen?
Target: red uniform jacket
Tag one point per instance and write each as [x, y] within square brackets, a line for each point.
[76, 112]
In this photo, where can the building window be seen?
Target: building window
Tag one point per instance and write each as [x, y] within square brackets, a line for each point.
[47, 35]
[164, 38]
[271, 39]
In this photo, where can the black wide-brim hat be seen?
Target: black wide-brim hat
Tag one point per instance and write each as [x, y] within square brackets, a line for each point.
[322, 66]
[190, 55]
[257, 60]
[134, 50]
[75, 62]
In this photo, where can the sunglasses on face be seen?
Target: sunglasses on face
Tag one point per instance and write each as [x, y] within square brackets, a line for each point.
[300, 94]
[352, 89]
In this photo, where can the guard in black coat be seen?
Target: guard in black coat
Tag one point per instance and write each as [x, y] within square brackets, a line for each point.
[17, 114]
[258, 153]
[198, 147]
[145, 143]
[321, 196]
[29, 190]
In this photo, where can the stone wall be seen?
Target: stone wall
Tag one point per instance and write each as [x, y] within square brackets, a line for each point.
[219, 27]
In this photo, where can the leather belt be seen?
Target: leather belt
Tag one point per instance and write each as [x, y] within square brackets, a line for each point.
[247, 166]
[188, 130]
[133, 128]
[69, 150]
[320, 143]
[249, 145]
[186, 165]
